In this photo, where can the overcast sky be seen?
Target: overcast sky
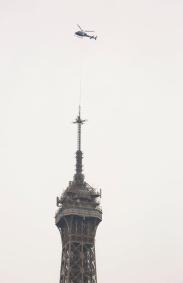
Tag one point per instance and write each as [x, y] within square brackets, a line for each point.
[132, 96]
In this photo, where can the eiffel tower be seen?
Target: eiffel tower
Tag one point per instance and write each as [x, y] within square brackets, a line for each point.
[77, 219]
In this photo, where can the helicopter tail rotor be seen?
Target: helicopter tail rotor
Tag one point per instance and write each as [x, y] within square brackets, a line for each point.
[94, 37]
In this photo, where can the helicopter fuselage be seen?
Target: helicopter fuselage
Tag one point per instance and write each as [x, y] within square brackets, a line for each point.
[81, 33]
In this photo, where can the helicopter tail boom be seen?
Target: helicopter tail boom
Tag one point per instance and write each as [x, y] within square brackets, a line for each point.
[93, 37]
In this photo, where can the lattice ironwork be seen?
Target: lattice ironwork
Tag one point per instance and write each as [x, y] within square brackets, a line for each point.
[78, 263]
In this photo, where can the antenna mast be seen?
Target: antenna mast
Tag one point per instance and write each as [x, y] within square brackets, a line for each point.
[79, 177]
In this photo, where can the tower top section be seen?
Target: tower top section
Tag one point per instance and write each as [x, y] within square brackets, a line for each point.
[79, 177]
[79, 198]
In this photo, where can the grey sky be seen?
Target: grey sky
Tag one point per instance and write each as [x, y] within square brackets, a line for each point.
[132, 98]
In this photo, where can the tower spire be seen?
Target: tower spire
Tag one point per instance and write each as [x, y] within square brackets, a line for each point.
[79, 177]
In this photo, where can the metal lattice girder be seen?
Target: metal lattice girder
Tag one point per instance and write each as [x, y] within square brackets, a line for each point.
[78, 253]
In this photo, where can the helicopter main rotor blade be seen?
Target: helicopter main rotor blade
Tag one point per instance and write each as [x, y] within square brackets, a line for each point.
[89, 31]
[79, 27]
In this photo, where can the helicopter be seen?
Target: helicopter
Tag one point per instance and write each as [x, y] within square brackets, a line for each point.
[83, 33]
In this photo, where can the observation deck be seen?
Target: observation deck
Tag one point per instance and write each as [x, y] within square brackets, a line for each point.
[80, 212]
[79, 200]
